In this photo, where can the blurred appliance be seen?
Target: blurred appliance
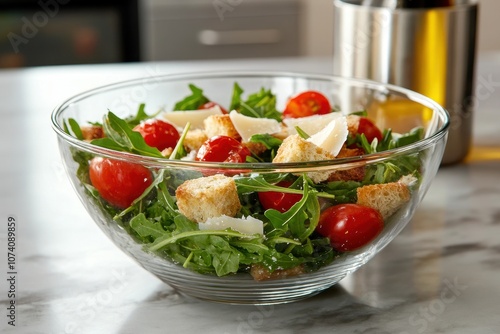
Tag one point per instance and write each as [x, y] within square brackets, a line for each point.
[59, 32]
[215, 29]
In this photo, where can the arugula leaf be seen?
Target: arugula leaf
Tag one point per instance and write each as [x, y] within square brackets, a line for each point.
[225, 259]
[120, 135]
[139, 116]
[236, 97]
[188, 234]
[410, 137]
[146, 228]
[276, 260]
[179, 151]
[107, 142]
[193, 101]
[344, 191]
[361, 113]
[267, 140]
[302, 133]
[272, 145]
[302, 218]
[259, 183]
[75, 127]
[261, 105]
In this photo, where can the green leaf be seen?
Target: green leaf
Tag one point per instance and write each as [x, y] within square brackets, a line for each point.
[139, 116]
[146, 228]
[253, 245]
[109, 143]
[122, 134]
[267, 140]
[361, 113]
[158, 179]
[193, 101]
[410, 137]
[302, 218]
[276, 260]
[302, 133]
[259, 183]
[260, 105]
[75, 127]
[236, 97]
[162, 243]
[179, 151]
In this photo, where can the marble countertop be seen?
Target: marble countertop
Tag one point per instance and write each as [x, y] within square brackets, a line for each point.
[440, 275]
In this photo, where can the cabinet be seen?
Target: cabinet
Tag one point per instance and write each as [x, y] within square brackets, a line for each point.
[218, 29]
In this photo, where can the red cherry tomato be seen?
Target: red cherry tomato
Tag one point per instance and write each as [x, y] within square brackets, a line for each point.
[223, 149]
[211, 104]
[278, 200]
[370, 130]
[159, 134]
[350, 226]
[308, 103]
[119, 182]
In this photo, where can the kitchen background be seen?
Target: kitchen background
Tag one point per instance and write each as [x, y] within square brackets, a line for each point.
[55, 32]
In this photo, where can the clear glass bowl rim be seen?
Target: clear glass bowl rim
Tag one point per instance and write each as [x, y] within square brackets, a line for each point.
[349, 162]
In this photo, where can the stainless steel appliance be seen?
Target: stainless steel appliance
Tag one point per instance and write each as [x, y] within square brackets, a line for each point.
[427, 46]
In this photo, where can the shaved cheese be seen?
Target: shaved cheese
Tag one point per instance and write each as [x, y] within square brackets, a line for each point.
[310, 124]
[332, 137]
[194, 117]
[248, 225]
[249, 126]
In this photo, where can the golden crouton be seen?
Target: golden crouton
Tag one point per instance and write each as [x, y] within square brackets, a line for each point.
[351, 174]
[92, 132]
[194, 139]
[387, 198]
[220, 125]
[208, 197]
[256, 148]
[296, 149]
[353, 123]
[260, 273]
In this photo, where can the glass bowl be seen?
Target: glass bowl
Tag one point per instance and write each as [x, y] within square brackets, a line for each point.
[389, 106]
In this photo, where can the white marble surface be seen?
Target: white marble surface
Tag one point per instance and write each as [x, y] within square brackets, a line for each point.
[441, 275]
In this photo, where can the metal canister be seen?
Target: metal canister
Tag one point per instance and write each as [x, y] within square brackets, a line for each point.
[426, 46]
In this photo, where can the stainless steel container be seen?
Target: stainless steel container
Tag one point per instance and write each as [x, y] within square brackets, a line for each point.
[427, 46]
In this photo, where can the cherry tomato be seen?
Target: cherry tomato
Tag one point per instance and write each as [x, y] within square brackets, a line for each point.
[350, 226]
[211, 104]
[278, 200]
[159, 134]
[223, 149]
[370, 130]
[308, 103]
[119, 182]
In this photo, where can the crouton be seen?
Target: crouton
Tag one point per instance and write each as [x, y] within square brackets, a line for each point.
[351, 174]
[353, 123]
[220, 125]
[256, 148]
[194, 139]
[387, 198]
[296, 149]
[208, 197]
[92, 132]
[260, 273]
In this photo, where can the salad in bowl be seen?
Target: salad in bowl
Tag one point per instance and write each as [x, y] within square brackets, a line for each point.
[251, 187]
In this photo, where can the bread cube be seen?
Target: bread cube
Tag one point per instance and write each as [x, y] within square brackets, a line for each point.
[208, 197]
